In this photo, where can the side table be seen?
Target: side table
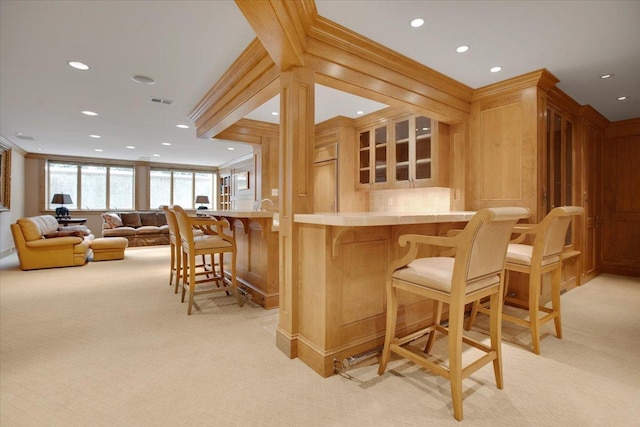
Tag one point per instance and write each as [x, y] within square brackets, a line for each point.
[75, 221]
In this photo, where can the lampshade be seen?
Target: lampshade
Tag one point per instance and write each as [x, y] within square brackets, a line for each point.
[202, 199]
[61, 199]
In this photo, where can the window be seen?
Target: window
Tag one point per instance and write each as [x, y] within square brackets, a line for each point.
[180, 187]
[91, 187]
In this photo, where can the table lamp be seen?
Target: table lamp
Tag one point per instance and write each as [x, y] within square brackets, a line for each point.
[61, 199]
[204, 200]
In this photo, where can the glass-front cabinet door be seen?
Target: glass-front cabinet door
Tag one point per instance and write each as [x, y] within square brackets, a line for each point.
[412, 151]
[373, 144]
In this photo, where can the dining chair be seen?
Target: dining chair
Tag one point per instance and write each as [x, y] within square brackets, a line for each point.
[475, 271]
[543, 255]
[213, 242]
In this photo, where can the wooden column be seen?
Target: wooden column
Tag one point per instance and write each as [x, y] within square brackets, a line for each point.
[296, 188]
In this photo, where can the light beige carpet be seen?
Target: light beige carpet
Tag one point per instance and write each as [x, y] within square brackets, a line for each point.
[110, 344]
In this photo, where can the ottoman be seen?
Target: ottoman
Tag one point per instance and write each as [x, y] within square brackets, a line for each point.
[108, 248]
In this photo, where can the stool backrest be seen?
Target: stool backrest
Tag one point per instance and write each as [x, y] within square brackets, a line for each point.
[485, 240]
[551, 237]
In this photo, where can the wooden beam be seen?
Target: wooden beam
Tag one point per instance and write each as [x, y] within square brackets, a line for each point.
[281, 26]
[250, 81]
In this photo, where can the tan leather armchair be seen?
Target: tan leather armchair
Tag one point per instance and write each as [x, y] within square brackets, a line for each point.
[41, 245]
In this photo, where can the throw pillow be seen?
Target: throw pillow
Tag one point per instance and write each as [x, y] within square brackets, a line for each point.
[162, 219]
[149, 219]
[112, 220]
[131, 219]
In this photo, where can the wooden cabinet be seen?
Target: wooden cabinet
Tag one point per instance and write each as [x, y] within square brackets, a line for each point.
[402, 151]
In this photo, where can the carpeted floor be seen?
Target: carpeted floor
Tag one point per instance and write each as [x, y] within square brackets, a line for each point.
[110, 344]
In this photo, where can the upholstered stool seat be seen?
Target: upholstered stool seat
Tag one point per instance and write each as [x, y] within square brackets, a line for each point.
[109, 248]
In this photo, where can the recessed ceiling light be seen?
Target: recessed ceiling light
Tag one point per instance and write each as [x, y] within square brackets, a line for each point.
[143, 80]
[19, 133]
[156, 155]
[495, 69]
[98, 150]
[359, 112]
[462, 49]
[230, 148]
[417, 22]
[95, 136]
[182, 126]
[78, 65]
[131, 147]
[622, 98]
[606, 76]
[89, 113]
[274, 113]
[166, 143]
[38, 149]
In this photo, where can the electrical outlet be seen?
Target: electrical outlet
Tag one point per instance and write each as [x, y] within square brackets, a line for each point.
[390, 202]
[274, 192]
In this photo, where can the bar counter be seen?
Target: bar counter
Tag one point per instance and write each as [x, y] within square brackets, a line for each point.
[339, 308]
[257, 245]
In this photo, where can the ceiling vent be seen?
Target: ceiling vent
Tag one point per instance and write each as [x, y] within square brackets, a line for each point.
[162, 100]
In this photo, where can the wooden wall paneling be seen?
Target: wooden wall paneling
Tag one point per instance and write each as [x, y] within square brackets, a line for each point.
[457, 162]
[503, 152]
[621, 176]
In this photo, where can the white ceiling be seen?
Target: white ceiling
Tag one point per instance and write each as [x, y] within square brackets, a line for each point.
[186, 46]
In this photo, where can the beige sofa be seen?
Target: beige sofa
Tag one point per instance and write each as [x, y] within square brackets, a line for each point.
[42, 243]
[146, 228]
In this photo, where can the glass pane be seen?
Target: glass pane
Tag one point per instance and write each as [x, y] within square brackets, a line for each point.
[547, 196]
[402, 130]
[423, 148]
[557, 160]
[381, 156]
[364, 177]
[423, 170]
[121, 185]
[423, 126]
[569, 165]
[63, 179]
[402, 173]
[364, 159]
[364, 139]
[381, 174]
[159, 188]
[204, 187]
[402, 152]
[381, 135]
[183, 189]
[93, 184]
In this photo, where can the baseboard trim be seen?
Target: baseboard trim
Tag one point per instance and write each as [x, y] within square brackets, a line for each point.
[7, 252]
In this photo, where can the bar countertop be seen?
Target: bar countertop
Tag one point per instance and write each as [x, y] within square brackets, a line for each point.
[237, 214]
[359, 219]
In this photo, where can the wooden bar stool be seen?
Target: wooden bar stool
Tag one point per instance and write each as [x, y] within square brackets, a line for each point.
[541, 257]
[476, 271]
[214, 243]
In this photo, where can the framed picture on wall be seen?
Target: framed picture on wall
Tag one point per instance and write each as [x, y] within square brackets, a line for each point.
[242, 181]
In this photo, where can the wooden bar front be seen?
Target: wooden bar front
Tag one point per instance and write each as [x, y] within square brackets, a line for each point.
[341, 286]
[257, 246]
